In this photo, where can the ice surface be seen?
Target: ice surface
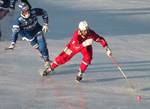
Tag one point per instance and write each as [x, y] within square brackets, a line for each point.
[125, 25]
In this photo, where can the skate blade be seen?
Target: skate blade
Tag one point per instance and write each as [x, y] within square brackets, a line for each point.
[41, 72]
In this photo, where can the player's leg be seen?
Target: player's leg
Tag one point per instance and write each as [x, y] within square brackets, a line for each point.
[43, 48]
[86, 60]
[62, 58]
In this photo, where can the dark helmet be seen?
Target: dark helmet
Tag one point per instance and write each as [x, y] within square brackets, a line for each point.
[23, 7]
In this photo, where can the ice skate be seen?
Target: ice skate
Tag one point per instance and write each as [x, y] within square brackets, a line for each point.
[47, 64]
[79, 77]
[46, 72]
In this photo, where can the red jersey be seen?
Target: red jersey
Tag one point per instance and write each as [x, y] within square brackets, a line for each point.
[77, 39]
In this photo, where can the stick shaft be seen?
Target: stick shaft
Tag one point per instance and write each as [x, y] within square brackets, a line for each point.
[120, 69]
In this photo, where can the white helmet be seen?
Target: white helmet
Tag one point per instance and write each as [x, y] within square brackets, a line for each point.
[83, 25]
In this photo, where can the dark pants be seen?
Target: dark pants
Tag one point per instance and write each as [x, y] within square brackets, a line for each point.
[39, 43]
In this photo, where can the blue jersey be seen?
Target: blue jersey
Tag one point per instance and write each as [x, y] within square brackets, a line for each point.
[29, 27]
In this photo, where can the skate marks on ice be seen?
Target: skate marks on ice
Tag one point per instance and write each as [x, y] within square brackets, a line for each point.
[64, 94]
[101, 68]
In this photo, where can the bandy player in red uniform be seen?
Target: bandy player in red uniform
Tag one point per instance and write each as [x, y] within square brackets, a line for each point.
[80, 42]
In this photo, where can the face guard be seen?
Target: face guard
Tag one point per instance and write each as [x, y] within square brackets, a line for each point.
[25, 14]
[25, 11]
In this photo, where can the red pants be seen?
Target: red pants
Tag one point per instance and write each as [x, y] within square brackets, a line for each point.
[64, 57]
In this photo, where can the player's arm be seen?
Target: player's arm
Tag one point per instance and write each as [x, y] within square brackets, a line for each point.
[43, 13]
[77, 44]
[103, 42]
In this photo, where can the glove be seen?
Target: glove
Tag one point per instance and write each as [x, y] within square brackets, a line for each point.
[12, 45]
[108, 51]
[15, 28]
[87, 42]
[45, 27]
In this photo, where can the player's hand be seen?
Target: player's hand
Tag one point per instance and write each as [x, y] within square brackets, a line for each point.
[45, 28]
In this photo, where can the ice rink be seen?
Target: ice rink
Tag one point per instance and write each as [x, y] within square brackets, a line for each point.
[125, 24]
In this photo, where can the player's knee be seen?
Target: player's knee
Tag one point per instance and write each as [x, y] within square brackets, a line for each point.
[87, 60]
[61, 60]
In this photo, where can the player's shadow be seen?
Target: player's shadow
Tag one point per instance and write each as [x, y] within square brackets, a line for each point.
[67, 69]
[113, 79]
[146, 89]
[127, 67]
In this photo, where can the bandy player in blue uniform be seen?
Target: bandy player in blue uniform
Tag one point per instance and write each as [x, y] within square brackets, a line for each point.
[28, 27]
[7, 6]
